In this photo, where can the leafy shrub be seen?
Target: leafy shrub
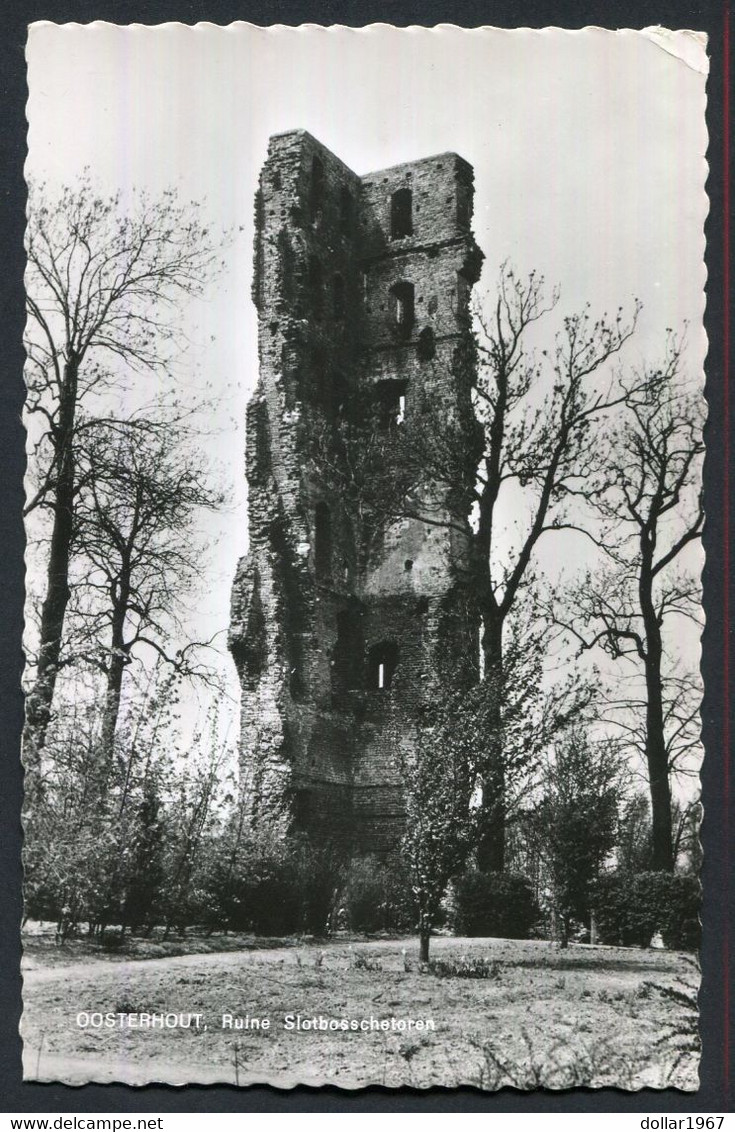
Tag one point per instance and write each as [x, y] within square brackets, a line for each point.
[376, 896]
[623, 911]
[280, 886]
[492, 904]
[679, 913]
[112, 941]
[266, 898]
[630, 907]
[41, 899]
[316, 873]
[465, 967]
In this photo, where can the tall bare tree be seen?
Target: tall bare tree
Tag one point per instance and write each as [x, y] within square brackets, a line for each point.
[541, 445]
[533, 453]
[650, 501]
[104, 287]
[139, 554]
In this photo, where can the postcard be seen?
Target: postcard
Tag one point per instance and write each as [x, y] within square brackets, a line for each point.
[365, 415]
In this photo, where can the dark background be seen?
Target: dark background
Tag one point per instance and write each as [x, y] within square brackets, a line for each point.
[717, 1013]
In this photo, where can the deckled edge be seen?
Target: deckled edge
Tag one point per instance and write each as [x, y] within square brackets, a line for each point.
[693, 53]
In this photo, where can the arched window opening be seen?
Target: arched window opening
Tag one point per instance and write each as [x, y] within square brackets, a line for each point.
[391, 403]
[403, 293]
[382, 664]
[338, 296]
[316, 287]
[316, 191]
[401, 214]
[426, 346]
[345, 211]
[322, 540]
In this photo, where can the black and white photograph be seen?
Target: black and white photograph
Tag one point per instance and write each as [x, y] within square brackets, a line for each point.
[365, 437]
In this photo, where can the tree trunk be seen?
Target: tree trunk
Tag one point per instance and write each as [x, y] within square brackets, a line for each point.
[112, 704]
[491, 842]
[53, 612]
[656, 758]
[424, 937]
[658, 773]
[559, 927]
[118, 660]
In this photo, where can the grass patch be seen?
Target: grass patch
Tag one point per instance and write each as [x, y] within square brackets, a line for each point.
[499, 1019]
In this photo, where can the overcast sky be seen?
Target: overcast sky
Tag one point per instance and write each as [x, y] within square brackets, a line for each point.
[588, 149]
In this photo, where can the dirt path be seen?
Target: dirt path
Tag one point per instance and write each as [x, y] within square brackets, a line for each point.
[34, 973]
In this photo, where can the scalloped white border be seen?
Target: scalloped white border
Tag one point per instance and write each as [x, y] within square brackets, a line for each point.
[686, 45]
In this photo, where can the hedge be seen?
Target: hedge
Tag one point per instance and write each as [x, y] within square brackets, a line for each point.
[493, 904]
[631, 907]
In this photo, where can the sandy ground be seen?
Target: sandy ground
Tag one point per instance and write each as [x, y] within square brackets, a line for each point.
[592, 1016]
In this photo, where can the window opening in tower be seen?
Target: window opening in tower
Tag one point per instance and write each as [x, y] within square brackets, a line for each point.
[382, 664]
[401, 214]
[391, 403]
[403, 296]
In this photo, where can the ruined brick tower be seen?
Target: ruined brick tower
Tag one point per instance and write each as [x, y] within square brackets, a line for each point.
[362, 287]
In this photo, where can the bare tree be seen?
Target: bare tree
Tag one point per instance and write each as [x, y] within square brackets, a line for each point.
[103, 288]
[530, 456]
[682, 724]
[536, 707]
[139, 554]
[546, 447]
[650, 501]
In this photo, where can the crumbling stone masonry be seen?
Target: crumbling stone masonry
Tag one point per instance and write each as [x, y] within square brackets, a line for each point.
[340, 629]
